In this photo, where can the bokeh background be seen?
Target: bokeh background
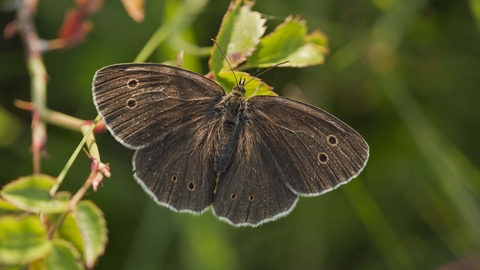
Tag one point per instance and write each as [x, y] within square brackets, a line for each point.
[404, 74]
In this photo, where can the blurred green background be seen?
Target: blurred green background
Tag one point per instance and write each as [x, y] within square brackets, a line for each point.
[404, 74]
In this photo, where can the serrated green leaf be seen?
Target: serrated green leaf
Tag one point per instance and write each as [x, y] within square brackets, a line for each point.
[318, 38]
[238, 36]
[30, 193]
[248, 29]
[254, 88]
[22, 240]
[63, 255]
[290, 42]
[69, 231]
[92, 226]
[306, 55]
[216, 61]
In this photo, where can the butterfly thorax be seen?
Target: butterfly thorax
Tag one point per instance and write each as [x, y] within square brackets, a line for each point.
[233, 109]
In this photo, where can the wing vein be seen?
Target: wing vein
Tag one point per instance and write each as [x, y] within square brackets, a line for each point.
[295, 152]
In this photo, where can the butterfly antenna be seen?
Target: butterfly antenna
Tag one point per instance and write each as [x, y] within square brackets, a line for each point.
[225, 57]
[266, 70]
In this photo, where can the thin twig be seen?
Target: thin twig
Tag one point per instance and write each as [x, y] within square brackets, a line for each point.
[38, 74]
[87, 138]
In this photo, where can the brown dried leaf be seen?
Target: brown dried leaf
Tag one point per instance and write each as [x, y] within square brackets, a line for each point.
[75, 27]
[135, 9]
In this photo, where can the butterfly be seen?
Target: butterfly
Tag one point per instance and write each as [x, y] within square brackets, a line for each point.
[196, 146]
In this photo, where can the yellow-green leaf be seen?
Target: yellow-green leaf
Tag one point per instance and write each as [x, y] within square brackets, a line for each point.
[30, 193]
[7, 208]
[254, 88]
[92, 226]
[63, 255]
[69, 231]
[238, 36]
[290, 42]
[22, 240]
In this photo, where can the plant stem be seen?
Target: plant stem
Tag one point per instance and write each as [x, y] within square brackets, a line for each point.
[36, 68]
[94, 152]
[177, 23]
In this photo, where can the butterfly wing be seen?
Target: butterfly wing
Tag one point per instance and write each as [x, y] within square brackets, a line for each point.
[252, 191]
[141, 103]
[285, 148]
[315, 151]
[178, 171]
[168, 114]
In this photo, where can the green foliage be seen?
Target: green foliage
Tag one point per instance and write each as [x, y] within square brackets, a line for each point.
[93, 229]
[240, 38]
[69, 231]
[22, 239]
[239, 33]
[290, 42]
[63, 256]
[31, 194]
[7, 208]
[255, 88]
[28, 212]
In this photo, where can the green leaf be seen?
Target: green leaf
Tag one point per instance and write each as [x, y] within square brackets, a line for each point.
[248, 29]
[69, 231]
[7, 208]
[238, 36]
[254, 88]
[22, 240]
[92, 225]
[290, 42]
[63, 255]
[30, 193]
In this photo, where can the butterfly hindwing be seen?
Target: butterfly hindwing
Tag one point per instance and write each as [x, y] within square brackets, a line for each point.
[178, 171]
[252, 190]
[141, 103]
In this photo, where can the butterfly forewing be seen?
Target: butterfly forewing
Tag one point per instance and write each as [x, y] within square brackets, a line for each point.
[141, 103]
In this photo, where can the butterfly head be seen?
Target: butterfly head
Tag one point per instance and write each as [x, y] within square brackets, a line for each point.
[239, 89]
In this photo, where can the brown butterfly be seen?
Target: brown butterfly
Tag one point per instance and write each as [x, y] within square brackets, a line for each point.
[197, 146]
